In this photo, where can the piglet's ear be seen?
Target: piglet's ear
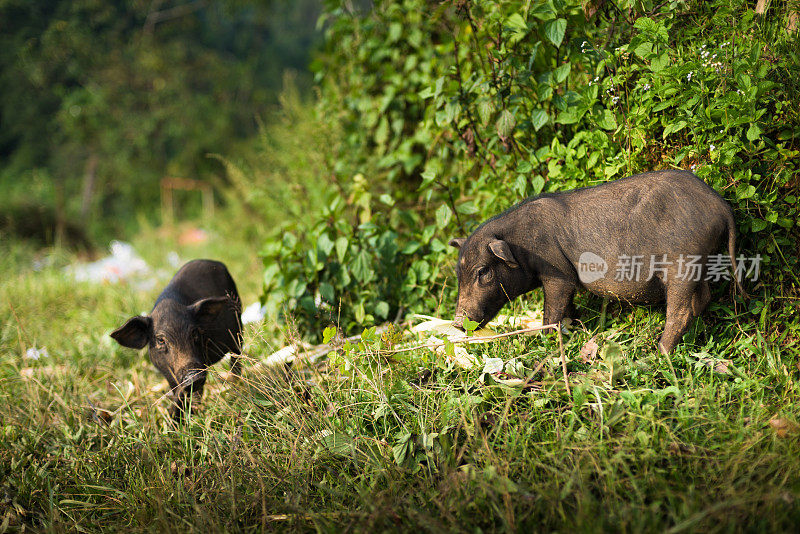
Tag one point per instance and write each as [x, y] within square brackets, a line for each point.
[208, 309]
[501, 249]
[456, 242]
[135, 334]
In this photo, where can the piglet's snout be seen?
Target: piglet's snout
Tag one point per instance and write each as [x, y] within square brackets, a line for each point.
[193, 377]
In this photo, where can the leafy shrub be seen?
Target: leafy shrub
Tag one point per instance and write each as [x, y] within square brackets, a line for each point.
[451, 112]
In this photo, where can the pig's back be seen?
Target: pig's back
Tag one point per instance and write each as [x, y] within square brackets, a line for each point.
[660, 215]
[200, 279]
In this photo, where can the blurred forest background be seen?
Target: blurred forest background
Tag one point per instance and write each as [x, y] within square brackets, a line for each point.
[102, 99]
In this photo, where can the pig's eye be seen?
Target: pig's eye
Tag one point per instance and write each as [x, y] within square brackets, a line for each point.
[161, 341]
[484, 274]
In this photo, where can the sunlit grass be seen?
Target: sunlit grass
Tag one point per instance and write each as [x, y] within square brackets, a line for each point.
[372, 441]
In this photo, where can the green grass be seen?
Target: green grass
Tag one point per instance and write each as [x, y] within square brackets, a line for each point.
[371, 441]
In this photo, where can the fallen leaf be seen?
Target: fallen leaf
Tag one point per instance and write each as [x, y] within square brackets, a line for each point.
[493, 365]
[783, 427]
[589, 351]
[179, 470]
[720, 366]
[446, 328]
[528, 319]
[460, 357]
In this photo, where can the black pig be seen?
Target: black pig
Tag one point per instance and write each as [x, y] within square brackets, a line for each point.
[195, 321]
[669, 222]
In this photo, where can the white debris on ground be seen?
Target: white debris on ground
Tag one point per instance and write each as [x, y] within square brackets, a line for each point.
[432, 332]
[34, 354]
[123, 265]
[493, 365]
[254, 313]
[174, 259]
[529, 319]
[284, 355]
[446, 328]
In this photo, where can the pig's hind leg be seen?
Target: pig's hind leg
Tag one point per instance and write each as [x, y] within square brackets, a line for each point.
[685, 301]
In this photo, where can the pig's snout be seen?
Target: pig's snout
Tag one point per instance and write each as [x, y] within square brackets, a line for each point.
[461, 316]
[193, 377]
[189, 388]
[458, 320]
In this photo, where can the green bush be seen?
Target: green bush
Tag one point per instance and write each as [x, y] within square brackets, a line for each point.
[449, 113]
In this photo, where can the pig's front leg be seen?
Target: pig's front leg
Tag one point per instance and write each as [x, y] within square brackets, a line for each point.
[558, 294]
[236, 365]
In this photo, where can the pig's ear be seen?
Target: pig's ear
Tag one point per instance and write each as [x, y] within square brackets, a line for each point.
[501, 249]
[208, 309]
[134, 334]
[457, 242]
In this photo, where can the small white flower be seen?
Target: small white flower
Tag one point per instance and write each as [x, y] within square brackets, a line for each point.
[693, 167]
[689, 76]
[712, 148]
[614, 99]
[646, 87]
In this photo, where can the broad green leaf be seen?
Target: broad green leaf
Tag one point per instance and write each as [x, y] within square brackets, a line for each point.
[361, 268]
[561, 73]
[539, 118]
[382, 309]
[537, 183]
[554, 30]
[758, 224]
[516, 22]
[567, 117]
[428, 176]
[754, 132]
[443, 215]
[607, 120]
[328, 334]
[341, 248]
[743, 81]
[745, 191]
[297, 288]
[674, 127]
[505, 124]
[467, 208]
[452, 110]
[643, 49]
[518, 26]
[270, 273]
[485, 110]
[324, 244]
[520, 185]
[660, 62]
[327, 293]
[646, 24]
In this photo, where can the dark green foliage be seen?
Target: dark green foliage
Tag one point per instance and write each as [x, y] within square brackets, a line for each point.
[451, 112]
